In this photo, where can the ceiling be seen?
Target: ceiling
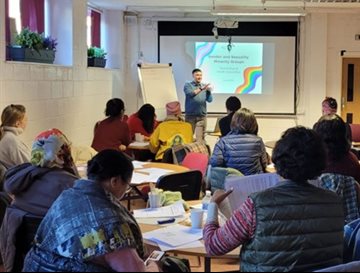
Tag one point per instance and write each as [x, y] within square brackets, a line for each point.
[208, 5]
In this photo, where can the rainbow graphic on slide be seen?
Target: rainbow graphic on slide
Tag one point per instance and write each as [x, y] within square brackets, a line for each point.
[251, 76]
[203, 51]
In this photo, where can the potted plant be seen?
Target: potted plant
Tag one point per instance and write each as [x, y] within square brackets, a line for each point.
[31, 46]
[96, 57]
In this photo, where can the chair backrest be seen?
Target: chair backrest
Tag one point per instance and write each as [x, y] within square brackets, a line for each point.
[216, 177]
[355, 132]
[180, 151]
[5, 201]
[196, 161]
[24, 240]
[188, 183]
[2, 176]
[243, 186]
[350, 267]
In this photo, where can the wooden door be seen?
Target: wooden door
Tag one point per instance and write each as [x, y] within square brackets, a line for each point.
[350, 96]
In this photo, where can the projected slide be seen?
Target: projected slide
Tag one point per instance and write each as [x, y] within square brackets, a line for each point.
[235, 71]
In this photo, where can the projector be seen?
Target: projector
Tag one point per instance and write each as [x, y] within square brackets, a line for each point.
[226, 23]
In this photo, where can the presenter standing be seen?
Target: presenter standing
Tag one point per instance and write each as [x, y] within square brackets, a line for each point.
[198, 95]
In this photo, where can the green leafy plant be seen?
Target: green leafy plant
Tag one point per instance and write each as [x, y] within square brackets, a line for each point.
[30, 39]
[95, 52]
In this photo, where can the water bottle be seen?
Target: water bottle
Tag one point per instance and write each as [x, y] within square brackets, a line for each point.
[206, 200]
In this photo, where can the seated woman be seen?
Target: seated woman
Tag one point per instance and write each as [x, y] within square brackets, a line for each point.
[241, 149]
[113, 132]
[173, 131]
[292, 227]
[87, 229]
[13, 150]
[143, 122]
[36, 185]
[341, 160]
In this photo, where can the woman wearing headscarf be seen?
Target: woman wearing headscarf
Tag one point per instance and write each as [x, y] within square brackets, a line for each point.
[35, 186]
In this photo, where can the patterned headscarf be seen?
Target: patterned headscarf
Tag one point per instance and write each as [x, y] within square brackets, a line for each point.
[52, 149]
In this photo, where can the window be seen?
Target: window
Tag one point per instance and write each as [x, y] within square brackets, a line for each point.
[15, 14]
[93, 28]
[23, 13]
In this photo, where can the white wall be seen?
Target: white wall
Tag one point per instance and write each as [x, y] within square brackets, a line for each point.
[69, 98]
[322, 37]
[73, 98]
[59, 24]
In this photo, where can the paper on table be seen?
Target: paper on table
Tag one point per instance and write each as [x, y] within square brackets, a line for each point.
[197, 244]
[156, 173]
[139, 144]
[139, 178]
[174, 236]
[175, 210]
[138, 164]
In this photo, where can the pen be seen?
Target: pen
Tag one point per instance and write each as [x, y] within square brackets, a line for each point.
[167, 221]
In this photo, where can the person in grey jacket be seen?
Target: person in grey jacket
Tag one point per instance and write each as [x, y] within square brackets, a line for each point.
[241, 149]
[13, 151]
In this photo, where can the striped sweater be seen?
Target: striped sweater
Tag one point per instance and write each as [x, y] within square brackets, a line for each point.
[239, 229]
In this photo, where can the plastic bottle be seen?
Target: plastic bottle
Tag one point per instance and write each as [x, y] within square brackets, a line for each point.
[206, 200]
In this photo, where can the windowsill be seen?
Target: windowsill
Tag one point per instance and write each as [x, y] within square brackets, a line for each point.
[61, 66]
[107, 69]
[40, 64]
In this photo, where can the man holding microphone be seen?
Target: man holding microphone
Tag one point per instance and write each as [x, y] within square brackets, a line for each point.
[197, 97]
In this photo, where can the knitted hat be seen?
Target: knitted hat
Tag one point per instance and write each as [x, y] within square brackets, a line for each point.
[173, 108]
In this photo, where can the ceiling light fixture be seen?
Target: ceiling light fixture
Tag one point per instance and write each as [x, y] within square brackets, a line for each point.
[260, 12]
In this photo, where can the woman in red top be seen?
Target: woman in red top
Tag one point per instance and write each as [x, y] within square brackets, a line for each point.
[113, 132]
[143, 122]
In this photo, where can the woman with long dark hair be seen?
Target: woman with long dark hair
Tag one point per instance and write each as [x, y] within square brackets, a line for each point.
[143, 122]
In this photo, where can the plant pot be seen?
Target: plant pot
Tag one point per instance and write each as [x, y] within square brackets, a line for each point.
[96, 62]
[20, 54]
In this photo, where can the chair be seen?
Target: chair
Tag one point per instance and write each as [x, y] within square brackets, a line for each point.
[188, 183]
[5, 201]
[216, 177]
[24, 240]
[246, 185]
[350, 267]
[2, 176]
[196, 161]
[355, 132]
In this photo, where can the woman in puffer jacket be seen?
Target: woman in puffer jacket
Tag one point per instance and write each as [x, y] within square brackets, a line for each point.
[241, 149]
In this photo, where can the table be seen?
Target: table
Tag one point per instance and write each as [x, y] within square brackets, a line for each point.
[195, 252]
[134, 187]
[270, 144]
[271, 168]
[215, 134]
[139, 146]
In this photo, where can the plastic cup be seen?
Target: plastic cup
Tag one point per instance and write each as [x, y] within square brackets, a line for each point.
[197, 217]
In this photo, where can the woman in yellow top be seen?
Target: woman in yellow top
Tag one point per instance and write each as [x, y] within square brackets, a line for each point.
[172, 132]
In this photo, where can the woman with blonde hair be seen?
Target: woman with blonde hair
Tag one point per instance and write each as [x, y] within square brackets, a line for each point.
[242, 149]
[13, 150]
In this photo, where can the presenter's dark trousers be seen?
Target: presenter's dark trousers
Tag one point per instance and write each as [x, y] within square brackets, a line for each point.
[198, 125]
